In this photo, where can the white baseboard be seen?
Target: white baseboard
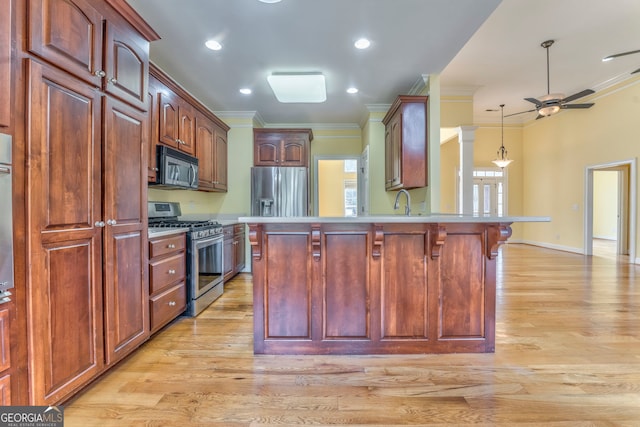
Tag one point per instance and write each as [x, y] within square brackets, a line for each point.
[549, 246]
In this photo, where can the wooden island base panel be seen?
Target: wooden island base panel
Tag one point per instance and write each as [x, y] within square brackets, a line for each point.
[374, 288]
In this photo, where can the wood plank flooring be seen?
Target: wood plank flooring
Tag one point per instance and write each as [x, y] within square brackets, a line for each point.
[567, 354]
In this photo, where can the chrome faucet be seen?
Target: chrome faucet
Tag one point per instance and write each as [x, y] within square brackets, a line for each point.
[407, 208]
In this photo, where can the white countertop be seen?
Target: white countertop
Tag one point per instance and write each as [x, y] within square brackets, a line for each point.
[163, 232]
[440, 218]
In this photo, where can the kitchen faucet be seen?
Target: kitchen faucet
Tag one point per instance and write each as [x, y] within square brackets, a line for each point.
[407, 208]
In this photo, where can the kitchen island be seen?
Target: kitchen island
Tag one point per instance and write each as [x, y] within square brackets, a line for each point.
[377, 284]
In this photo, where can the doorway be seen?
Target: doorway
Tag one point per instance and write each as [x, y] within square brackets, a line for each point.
[336, 186]
[610, 209]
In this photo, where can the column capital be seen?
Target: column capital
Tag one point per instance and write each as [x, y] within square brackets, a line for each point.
[466, 133]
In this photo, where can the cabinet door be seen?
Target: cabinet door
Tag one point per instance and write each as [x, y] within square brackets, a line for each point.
[5, 390]
[220, 159]
[5, 62]
[126, 288]
[396, 150]
[64, 288]
[228, 253]
[168, 122]
[152, 166]
[187, 128]
[266, 150]
[239, 247]
[293, 151]
[205, 152]
[126, 66]
[68, 33]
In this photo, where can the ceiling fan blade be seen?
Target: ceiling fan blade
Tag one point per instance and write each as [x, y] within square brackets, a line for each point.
[540, 116]
[570, 106]
[610, 57]
[534, 101]
[636, 71]
[578, 95]
[521, 112]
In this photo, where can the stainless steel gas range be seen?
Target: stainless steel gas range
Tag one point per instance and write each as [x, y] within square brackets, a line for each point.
[205, 270]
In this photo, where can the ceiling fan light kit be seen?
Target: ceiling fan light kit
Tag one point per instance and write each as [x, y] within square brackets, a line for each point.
[551, 103]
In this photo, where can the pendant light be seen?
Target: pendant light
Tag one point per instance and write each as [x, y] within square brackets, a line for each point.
[502, 161]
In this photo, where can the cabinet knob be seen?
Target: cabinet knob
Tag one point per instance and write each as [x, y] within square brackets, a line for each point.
[113, 80]
[99, 224]
[172, 271]
[171, 246]
[172, 303]
[111, 222]
[156, 169]
[99, 73]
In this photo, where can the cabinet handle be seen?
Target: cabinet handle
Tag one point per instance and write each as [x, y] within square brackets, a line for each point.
[99, 224]
[171, 271]
[171, 246]
[99, 73]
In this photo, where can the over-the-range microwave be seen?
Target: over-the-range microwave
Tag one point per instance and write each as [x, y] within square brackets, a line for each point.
[176, 170]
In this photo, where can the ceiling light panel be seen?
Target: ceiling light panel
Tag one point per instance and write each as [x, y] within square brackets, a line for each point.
[298, 87]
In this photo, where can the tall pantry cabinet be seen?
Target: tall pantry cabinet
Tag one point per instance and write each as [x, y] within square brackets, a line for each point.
[86, 132]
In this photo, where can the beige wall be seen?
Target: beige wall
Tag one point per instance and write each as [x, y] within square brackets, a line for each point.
[558, 149]
[331, 178]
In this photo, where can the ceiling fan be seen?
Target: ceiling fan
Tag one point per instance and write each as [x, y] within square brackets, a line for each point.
[551, 103]
[610, 57]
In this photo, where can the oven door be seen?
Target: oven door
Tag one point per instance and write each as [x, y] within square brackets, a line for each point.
[207, 273]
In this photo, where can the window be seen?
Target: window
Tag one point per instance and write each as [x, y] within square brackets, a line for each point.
[489, 196]
[350, 197]
[350, 166]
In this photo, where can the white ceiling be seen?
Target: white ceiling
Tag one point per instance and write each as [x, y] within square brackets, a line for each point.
[477, 48]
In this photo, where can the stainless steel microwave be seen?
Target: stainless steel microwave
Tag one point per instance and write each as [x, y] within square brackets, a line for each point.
[176, 170]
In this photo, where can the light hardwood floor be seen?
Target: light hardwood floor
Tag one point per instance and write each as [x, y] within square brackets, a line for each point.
[567, 354]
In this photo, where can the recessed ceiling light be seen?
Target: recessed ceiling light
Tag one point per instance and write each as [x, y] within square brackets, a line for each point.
[213, 45]
[245, 91]
[270, 1]
[362, 43]
[305, 87]
[352, 90]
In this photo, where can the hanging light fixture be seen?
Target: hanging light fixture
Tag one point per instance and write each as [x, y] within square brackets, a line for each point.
[502, 161]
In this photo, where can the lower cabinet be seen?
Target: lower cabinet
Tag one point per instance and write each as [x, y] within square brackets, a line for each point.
[234, 250]
[167, 274]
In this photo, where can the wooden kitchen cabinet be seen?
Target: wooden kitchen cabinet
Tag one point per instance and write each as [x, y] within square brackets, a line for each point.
[167, 275]
[87, 289]
[69, 34]
[233, 250]
[6, 16]
[281, 147]
[178, 120]
[406, 143]
[211, 150]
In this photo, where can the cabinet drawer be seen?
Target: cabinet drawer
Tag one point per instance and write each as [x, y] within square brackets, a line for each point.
[165, 245]
[166, 271]
[238, 228]
[228, 231]
[167, 306]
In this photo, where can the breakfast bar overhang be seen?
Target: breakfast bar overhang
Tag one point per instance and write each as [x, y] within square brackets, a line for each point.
[376, 284]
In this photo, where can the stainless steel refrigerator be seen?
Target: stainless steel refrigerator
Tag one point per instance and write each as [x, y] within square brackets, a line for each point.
[279, 191]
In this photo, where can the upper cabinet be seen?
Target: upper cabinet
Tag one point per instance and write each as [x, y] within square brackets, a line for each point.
[406, 143]
[69, 34]
[281, 147]
[178, 120]
[5, 62]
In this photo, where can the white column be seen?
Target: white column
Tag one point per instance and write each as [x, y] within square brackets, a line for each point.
[466, 136]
